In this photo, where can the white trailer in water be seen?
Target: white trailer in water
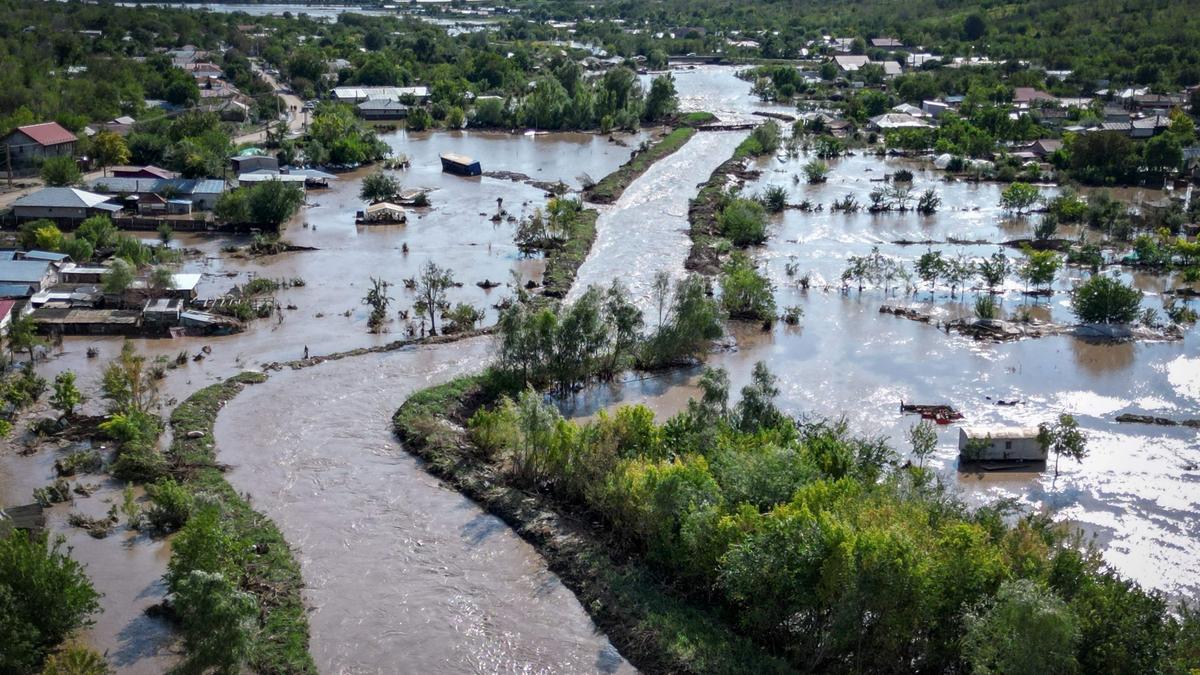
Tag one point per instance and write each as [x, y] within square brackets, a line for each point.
[1010, 445]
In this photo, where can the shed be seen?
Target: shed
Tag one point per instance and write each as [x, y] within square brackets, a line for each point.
[460, 164]
[1000, 444]
[253, 163]
[383, 213]
[162, 311]
[183, 285]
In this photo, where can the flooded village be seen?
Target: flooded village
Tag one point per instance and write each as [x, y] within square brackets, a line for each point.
[276, 354]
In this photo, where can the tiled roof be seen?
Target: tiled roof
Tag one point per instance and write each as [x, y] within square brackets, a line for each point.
[48, 133]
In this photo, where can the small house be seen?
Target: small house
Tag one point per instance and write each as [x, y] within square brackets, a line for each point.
[38, 274]
[63, 205]
[162, 311]
[32, 144]
[851, 63]
[886, 43]
[248, 163]
[1000, 444]
[382, 109]
[382, 213]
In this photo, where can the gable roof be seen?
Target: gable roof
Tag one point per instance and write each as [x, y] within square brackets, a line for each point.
[183, 186]
[6, 307]
[851, 62]
[1029, 94]
[48, 133]
[23, 271]
[62, 197]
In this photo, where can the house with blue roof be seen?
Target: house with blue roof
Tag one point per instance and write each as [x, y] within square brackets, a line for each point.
[163, 195]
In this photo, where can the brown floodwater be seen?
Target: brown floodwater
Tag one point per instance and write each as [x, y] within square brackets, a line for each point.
[403, 574]
[328, 317]
[1136, 491]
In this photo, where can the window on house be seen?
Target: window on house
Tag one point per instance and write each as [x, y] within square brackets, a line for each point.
[1008, 445]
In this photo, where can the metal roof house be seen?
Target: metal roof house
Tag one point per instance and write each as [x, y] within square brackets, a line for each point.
[203, 193]
[30, 145]
[1000, 444]
[382, 109]
[63, 204]
[360, 94]
[38, 274]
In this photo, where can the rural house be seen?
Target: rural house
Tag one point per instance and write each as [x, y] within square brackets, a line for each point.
[64, 205]
[28, 146]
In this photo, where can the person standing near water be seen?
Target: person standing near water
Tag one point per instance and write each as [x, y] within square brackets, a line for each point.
[305, 352]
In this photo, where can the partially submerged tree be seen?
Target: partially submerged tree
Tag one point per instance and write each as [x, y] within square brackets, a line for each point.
[1063, 437]
[378, 299]
[66, 395]
[379, 187]
[431, 286]
[923, 438]
[1103, 299]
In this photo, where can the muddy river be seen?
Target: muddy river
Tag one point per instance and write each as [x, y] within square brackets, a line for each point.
[405, 575]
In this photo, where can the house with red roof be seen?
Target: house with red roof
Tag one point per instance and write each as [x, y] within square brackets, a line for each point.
[30, 145]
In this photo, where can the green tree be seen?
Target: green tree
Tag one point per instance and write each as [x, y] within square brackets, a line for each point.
[61, 171]
[1039, 268]
[1019, 197]
[66, 395]
[117, 279]
[1063, 437]
[930, 266]
[993, 270]
[44, 597]
[109, 149]
[272, 203]
[418, 119]
[22, 336]
[217, 621]
[76, 660]
[100, 231]
[1025, 630]
[922, 436]
[545, 107]
[744, 221]
[662, 101]
[431, 285]
[1103, 299]
[379, 187]
[745, 292]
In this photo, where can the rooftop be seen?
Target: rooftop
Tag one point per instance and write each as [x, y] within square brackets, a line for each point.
[48, 133]
[63, 197]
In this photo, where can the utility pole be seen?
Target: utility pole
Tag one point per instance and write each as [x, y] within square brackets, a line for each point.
[8, 158]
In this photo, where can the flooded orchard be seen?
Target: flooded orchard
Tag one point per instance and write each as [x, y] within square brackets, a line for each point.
[1135, 492]
[404, 574]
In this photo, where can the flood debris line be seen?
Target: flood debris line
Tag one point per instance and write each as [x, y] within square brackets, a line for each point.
[299, 364]
[261, 563]
[1135, 418]
[704, 211]
[649, 623]
[610, 188]
[998, 330]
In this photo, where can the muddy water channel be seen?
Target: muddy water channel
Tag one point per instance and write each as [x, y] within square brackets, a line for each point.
[403, 574]
[328, 317]
[1137, 491]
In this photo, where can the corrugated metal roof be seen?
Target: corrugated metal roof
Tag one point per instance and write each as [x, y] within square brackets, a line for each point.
[185, 186]
[48, 133]
[61, 197]
[16, 290]
[23, 271]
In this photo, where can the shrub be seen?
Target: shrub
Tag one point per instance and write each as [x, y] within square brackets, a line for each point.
[1103, 299]
[170, 505]
[773, 199]
[44, 597]
[745, 292]
[75, 660]
[744, 222]
[985, 307]
[816, 171]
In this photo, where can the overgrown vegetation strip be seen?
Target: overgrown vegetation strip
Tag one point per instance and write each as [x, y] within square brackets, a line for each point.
[704, 211]
[271, 573]
[649, 623]
[610, 188]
